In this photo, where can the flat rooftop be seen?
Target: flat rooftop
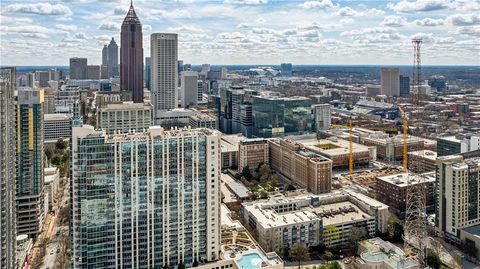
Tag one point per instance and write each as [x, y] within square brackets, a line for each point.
[202, 117]
[333, 146]
[57, 116]
[236, 186]
[427, 154]
[403, 179]
[341, 212]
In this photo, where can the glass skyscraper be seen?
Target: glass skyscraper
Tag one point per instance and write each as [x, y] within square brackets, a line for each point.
[145, 200]
[268, 116]
[7, 168]
[30, 209]
[298, 115]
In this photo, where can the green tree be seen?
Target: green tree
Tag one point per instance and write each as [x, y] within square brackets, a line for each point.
[56, 160]
[60, 145]
[246, 173]
[264, 171]
[273, 180]
[357, 234]
[48, 153]
[433, 260]
[334, 265]
[397, 231]
[328, 255]
[263, 194]
[299, 253]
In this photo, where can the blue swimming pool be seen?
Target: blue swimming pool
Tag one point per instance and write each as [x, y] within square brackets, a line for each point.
[250, 261]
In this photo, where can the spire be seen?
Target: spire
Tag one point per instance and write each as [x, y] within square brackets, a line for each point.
[131, 17]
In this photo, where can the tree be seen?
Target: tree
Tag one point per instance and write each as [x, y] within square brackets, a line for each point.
[56, 160]
[246, 173]
[60, 145]
[181, 265]
[299, 253]
[48, 153]
[358, 233]
[328, 255]
[273, 180]
[433, 260]
[263, 194]
[397, 231]
[334, 265]
[264, 171]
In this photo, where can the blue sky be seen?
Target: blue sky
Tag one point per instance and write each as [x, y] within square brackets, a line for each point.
[247, 31]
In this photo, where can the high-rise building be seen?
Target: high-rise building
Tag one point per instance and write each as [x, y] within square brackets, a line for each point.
[151, 199]
[438, 83]
[105, 55]
[112, 62]
[93, 72]
[188, 88]
[297, 115]
[268, 116]
[180, 66]
[29, 197]
[286, 69]
[457, 188]
[104, 72]
[124, 117]
[42, 77]
[131, 56]
[78, 68]
[148, 73]
[322, 117]
[404, 86]
[390, 80]
[7, 168]
[164, 54]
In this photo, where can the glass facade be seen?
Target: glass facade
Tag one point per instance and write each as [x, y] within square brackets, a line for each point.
[268, 116]
[298, 115]
[142, 201]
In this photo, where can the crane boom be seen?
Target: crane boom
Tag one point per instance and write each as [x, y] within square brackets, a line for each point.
[350, 153]
[405, 131]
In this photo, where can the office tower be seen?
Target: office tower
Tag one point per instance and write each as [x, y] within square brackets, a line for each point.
[201, 87]
[78, 68]
[124, 117]
[131, 56]
[322, 117]
[404, 86]
[268, 117]
[164, 54]
[151, 198]
[188, 88]
[390, 80]
[7, 168]
[286, 69]
[30, 210]
[105, 55]
[297, 115]
[457, 188]
[223, 73]
[104, 72]
[42, 77]
[93, 72]
[147, 76]
[180, 66]
[30, 80]
[112, 59]
[438, 83]
[205, 69]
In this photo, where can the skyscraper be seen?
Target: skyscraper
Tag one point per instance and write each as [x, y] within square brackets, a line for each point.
[404, 86]
[7, 168]
[322, 116]
[390, 80]
[164, 54]
[286, 69]
[131, 56]
[78, 68]
[30, 210]
[105, 55]
[93, 72]
[148, 73]
[188, 88]
[146, 208]
[112, 59]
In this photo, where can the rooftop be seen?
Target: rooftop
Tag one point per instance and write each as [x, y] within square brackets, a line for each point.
[428, 154]
[332, 146]
[57, 116]
[403, 179]
[377, 250]
[203, 117]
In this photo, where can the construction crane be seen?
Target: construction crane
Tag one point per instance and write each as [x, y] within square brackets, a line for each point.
[350, 144]
[405, 130]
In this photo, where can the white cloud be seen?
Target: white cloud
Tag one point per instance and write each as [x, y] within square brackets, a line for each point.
[405, 6]
[24, 29]
[470, 31]
[109, 26]
[246, 2]
[394, 21]
[243, 25]
[429, 22]
[186, 28]
[464, 19]
[120, 10]
[65, 27]
[346, 12]
[317, 4]
[80, 35]
[16, 19]
[34, 35]
[39, 9]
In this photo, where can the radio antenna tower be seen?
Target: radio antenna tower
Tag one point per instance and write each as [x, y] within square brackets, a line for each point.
[415, 229]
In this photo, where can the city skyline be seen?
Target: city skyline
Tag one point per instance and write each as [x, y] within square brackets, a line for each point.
[249, 31]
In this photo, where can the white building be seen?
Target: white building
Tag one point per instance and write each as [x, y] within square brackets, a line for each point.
[376, 253]
[322, 116]
[56, 126]
[124, 117]
[51, 182]
[164, 57]
[281, 222]
[390, 81]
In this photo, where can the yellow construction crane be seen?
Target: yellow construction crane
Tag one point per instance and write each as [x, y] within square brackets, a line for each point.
[350, 142]
[405, 131]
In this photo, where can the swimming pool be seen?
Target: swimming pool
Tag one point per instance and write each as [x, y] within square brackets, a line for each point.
[250, 261]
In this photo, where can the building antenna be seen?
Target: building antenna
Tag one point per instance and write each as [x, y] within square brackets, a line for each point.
[415, 228]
